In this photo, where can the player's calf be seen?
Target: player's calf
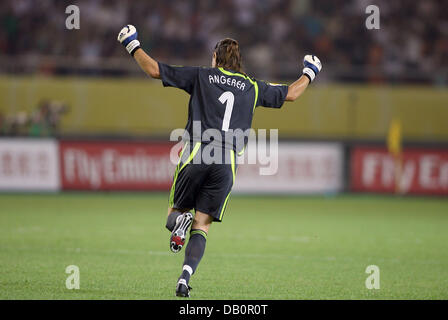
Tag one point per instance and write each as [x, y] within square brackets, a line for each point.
[171, 220]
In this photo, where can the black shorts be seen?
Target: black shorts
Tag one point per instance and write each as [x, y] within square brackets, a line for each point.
[203, 187]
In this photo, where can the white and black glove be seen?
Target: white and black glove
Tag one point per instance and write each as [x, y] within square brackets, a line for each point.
[312, 66]
[128, 38]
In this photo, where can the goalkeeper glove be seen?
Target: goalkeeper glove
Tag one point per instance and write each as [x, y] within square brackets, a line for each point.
[128, 38]
[312, 66]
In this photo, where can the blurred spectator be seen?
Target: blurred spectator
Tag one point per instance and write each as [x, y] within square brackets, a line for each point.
[43, 121]
[274, 34]
[16, 124]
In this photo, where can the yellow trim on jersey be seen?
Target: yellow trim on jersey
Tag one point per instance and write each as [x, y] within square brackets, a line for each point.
[242, 151]
[245, 77]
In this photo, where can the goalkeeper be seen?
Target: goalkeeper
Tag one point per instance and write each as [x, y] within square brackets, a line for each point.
[223, 98]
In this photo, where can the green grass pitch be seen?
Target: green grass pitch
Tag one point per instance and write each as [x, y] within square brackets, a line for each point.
[266, 248]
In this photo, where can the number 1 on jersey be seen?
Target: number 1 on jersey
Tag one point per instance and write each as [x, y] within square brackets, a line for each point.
[228, 98]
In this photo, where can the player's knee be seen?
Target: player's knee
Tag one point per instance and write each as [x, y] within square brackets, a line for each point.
[201, 225]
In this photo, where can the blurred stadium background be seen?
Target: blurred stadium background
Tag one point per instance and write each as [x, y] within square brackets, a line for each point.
[76, 113]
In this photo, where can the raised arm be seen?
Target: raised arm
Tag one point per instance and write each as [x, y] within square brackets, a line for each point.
[148, 64]
[128, 38]
[312, 67]
[297, 88]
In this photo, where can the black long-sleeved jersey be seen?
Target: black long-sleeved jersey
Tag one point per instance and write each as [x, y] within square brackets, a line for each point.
[222, 100]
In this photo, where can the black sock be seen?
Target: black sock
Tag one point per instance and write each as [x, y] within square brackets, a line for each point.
[193, 253]
[171, 220]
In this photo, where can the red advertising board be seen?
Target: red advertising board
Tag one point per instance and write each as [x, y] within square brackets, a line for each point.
[116, 166]
[423, 171]
[302, 168]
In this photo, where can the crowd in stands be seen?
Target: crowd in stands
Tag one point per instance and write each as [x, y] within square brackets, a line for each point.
[411, 44]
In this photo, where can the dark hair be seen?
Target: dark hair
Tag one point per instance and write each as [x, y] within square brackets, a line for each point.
[228, 55]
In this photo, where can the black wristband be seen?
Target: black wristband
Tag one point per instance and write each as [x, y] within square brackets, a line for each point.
[309, 78]
[135, 49]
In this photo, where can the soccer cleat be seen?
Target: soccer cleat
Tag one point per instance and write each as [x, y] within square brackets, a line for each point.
[183, 289]
[177, 239]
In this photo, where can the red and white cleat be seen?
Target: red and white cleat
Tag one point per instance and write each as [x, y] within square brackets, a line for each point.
[178, 236]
